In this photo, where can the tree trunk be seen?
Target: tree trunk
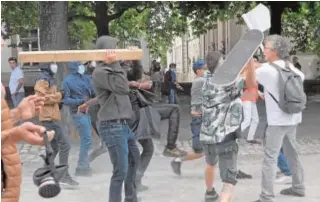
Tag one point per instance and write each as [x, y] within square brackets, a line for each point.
[53, 24]
[276, 16]
[101, 18]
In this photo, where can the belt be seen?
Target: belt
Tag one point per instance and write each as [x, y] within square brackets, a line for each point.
[118, 121]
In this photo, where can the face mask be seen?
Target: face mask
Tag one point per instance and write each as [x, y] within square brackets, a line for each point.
[54, 68]
[206, 74]
[81, 69]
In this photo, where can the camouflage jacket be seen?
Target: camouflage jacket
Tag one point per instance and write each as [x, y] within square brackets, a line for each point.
[222, 111]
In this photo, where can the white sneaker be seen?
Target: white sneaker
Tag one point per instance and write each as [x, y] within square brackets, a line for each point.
[283, 179]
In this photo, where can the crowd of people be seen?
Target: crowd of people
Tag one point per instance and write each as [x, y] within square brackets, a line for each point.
[111, 93]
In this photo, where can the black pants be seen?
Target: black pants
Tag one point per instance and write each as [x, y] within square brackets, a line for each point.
[172, 113]
[145, 158]
[60, 142]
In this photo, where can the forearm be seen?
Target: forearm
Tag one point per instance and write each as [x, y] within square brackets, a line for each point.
[93, 101]
[250, 81]
[5, 135]
[18, 87]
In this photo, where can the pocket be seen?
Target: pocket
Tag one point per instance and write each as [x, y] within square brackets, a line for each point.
[112, 134]
[235, 113]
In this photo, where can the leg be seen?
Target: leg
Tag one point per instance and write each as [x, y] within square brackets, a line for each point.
[254, 121]
[228, 153]
[196, 145]
[49, 125]
[171, 112]
[83, 125]
[246, 115]
[274, 137]
[145, 158]
[283, 164]
[290, 151]
[176, 98]
[115, 138]
[134, 161]
[211, 155]
[171, 96]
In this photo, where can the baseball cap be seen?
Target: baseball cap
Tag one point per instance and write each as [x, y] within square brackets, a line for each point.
[199, 64]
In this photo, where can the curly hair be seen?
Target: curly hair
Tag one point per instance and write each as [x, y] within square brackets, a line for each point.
[280, 45]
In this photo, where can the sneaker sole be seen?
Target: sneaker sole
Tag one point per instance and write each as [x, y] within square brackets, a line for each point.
[68, 186]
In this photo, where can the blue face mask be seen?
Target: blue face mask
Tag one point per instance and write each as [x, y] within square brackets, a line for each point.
[206, 74]
[81, 69]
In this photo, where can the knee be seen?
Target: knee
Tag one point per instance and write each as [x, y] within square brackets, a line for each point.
[149, 149]
[229, 176]
[120, 174]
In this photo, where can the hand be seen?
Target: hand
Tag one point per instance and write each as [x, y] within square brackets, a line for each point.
[146, 85]
[134, 84]
[84, 108]
[30, 106]
[31, 133]
[111, 57]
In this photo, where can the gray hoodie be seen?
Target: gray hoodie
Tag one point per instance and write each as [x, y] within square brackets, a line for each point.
[111, 83]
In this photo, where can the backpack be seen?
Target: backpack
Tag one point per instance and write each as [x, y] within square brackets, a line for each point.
[292, 98]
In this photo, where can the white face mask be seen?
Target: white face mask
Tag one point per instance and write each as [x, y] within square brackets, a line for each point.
[54, 68]
[81, 69]
[93, 64]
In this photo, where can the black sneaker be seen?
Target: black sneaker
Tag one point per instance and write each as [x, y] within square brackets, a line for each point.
[141, 188]
[176, 167]
[174, 152]
[291, 192]
[97, 152]
[242, 175]
[211, 196]
[69, 183]
[83, 172]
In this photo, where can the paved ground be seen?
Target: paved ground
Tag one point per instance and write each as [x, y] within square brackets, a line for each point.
[164, 186]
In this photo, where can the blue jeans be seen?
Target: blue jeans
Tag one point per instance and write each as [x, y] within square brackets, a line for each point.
[282, 161]
[16, 99]
[195, 128]
[82, 123]
[173, 97]
[125, 156]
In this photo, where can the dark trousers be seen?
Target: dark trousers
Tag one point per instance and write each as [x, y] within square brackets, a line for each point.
[172, 113]
[125, 157]
[60, 142]
[145, 158]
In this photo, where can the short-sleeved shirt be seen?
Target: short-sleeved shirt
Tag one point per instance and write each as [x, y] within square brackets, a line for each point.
[197, 95]
[268, 76]
[16, 74]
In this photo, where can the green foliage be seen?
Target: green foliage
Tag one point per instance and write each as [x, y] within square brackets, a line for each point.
[302, 26]
[19, 16]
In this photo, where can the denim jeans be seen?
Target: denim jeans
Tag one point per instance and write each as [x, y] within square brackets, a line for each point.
[145, 158]
[82, 123]
[195, 128]
[282, 161]
[125, 156]
[173, 97]
[60, 142]
[16, 99]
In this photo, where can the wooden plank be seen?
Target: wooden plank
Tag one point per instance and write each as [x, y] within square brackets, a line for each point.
[77, 55]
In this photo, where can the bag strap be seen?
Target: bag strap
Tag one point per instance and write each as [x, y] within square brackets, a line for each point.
[274, 98]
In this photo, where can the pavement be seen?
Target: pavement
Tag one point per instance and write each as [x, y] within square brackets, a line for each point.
[166, 187]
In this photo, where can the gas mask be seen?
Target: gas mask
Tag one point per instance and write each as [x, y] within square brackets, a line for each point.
[47, 178]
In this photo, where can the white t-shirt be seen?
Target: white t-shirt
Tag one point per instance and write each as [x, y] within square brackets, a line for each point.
[16, 74]
[268, 76]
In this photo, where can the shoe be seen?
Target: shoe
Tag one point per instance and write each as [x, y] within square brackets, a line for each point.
[68, 183]
[176, 167]
[283, 179]
[97, 152]
[83, 172]
[254, 142]
[141, 188]
[174, 152]
[291, 192]
[242, 175]
[279, 173]
[211, 196]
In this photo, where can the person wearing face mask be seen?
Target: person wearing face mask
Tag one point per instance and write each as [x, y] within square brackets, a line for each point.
[171, 84]
[50, 117]
[77, 90]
